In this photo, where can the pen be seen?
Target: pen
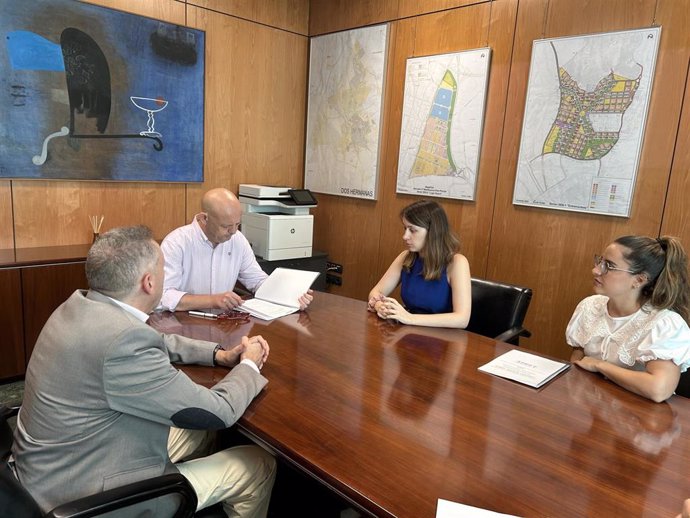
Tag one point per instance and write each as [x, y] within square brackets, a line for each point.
[202, 314]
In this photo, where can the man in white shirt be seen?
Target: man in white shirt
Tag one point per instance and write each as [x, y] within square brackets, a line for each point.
[204, 260]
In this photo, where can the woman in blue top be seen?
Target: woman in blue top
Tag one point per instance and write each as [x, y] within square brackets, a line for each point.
[434, 277]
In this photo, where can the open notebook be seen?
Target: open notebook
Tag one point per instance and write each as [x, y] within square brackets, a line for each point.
[278, 295]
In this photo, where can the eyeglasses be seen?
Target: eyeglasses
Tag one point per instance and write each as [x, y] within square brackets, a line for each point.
[235, 316]
[605, 266]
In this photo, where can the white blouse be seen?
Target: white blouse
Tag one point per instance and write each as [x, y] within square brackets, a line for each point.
[631, 341]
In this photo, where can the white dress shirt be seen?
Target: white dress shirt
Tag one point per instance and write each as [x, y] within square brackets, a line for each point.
[193, 265]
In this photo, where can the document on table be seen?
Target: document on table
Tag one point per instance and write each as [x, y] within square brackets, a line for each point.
[523, 367]
[279, 294]
[448, 509]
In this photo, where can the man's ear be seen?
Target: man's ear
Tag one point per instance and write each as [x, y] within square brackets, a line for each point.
[147, 283]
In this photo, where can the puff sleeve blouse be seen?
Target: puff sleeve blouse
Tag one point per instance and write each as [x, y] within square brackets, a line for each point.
[630, 341]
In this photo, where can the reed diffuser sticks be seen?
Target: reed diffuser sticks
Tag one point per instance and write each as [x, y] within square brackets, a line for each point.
[96, 222]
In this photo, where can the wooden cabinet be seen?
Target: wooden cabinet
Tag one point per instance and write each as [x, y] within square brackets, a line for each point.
[11, 323]
[33, 282]
[44, 288]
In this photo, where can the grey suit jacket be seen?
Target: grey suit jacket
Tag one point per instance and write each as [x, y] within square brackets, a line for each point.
[101, 396]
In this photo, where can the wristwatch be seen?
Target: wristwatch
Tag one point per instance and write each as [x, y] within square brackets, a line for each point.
[215, 351]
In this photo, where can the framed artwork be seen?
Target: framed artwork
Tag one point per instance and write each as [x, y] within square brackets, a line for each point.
[442, 122]
[585, 115]
[90, 93]
[346, 79]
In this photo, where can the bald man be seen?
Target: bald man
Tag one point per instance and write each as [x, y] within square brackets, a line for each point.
[204, 260]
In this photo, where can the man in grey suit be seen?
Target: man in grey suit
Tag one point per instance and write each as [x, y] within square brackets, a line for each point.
[101, 394]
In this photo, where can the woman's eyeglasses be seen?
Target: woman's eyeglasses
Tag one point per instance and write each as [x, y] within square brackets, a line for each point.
[605, 266]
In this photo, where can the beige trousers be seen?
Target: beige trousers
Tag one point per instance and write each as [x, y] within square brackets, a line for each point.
[241, 477]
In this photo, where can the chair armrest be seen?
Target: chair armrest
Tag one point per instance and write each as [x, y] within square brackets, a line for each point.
[119, 497]
[513, 332]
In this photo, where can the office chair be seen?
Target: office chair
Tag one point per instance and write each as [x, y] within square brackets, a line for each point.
[16, 501]
[498, 310]
[683, 388]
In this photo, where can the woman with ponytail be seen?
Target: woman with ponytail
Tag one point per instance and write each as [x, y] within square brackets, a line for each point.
[635, 329]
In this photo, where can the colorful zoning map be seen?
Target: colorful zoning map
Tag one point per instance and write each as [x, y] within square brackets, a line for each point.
[346, 75]
[433, 157]
[584, 121]
[443, 111]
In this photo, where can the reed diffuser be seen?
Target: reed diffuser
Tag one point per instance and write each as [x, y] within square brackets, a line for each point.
[96, 222]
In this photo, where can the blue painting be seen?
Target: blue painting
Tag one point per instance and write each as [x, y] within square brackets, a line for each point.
[90, 93]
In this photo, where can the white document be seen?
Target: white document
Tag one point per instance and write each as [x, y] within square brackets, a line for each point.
[279, 294]
[523, 367]
[447, 509]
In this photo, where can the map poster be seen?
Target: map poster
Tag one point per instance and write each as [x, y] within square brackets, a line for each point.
[585, 113]
[346, 79]
[442, 120]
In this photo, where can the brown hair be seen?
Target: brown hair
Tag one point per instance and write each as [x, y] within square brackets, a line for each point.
[665, 263]
[441, 243]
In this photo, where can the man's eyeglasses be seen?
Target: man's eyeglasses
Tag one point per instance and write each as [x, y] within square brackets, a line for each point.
[604, 266]
[235, 316]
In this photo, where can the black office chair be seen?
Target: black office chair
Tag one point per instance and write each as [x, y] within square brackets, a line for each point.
[683, 388]
[498, 310]
[16, 501]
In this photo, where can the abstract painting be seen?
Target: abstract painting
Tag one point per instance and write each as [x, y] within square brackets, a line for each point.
[90, 93]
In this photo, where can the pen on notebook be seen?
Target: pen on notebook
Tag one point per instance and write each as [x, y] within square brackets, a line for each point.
[202, 314]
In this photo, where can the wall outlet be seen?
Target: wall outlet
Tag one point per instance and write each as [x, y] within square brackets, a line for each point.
[334, 267]
[334, 279]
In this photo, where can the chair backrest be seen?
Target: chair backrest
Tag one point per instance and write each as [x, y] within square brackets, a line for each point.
[683, 388]
[497, 308]
[14, 499]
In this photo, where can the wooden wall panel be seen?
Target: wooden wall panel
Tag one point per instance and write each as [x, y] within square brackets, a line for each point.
[551, 251]
[337, 15]
[677, 211]
[291, 15]
[255, 104]
[408, 8]
[6, 227]
[57, 213]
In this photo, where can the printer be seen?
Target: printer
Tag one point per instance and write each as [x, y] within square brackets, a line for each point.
[276, 220]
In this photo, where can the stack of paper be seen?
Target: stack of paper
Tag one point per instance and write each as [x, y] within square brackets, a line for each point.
[279, 294]
[523, 367]
[448, 509]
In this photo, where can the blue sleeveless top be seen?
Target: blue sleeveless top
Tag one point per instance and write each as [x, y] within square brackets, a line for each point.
[428, 297]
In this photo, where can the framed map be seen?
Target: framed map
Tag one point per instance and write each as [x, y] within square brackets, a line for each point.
[91, 93]
[585, 114]
[346, 80]
[442, 121]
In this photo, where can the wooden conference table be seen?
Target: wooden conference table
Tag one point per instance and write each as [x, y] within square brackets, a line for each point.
[394, 417]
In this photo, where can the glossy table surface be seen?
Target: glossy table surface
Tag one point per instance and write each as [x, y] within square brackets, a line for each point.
[394, 417]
